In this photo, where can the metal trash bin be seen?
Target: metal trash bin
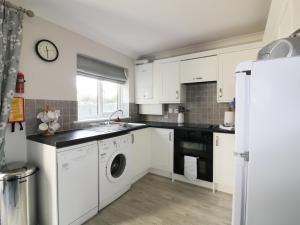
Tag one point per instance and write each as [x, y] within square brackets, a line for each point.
[18, 194]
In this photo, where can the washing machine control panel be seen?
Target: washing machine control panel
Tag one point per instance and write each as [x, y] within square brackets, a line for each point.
[108, 146]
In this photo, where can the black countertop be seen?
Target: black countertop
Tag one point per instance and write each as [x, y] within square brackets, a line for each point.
[188, 126]
[73, 137]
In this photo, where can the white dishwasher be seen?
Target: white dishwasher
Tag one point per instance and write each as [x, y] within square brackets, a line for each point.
[77, 169]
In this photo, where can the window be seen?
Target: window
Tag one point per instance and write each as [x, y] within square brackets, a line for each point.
[97, 98]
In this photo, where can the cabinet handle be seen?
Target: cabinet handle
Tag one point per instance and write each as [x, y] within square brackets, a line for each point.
[198, 78]
[220, 92]
[217, 140]
[132, 138]
[177, 92]
[170, 136]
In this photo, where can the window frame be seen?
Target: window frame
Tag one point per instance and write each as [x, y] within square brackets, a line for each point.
[100, 113]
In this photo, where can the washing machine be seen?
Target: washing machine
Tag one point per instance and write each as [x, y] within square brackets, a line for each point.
[114, 172]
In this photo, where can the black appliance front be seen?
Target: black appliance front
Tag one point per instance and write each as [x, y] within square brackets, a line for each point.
[198, 144]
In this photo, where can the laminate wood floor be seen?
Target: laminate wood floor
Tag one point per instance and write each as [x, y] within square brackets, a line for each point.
[155, 200]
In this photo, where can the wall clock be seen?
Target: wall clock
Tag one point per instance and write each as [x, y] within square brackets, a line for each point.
[46, 50]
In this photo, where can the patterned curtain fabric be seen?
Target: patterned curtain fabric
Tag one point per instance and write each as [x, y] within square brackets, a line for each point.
[10, 45]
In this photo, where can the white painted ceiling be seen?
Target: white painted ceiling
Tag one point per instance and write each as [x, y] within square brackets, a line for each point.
[140, 27]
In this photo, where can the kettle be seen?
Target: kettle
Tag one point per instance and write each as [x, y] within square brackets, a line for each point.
[282, 48]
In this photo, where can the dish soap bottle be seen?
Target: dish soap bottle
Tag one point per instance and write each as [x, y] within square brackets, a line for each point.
[181, 111]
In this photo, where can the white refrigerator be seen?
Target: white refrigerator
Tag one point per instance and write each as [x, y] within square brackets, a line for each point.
[267, 154]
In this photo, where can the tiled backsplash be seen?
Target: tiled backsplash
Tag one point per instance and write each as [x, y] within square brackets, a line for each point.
[69, 113]
[201, 105]
[68, 110]
[134, 112]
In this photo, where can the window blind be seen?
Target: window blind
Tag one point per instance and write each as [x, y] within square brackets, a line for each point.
[95, 68]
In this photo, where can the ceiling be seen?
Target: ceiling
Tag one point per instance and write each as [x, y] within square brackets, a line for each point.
[142, 27]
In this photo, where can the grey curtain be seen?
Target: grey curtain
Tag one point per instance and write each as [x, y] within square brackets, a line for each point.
[10, 45]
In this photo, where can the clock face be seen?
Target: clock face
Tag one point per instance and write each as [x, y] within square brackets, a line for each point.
[46, 50]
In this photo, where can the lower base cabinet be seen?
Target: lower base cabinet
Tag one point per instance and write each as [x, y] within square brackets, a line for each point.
[140, 153]
[162, 146]
[152, 150]
[224, 162]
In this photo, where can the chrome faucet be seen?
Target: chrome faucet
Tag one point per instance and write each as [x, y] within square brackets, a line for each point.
[113, 113]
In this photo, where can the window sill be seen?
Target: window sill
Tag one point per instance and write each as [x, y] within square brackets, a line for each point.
[97, 120]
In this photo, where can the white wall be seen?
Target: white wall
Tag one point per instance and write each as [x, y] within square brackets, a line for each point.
[56, 80]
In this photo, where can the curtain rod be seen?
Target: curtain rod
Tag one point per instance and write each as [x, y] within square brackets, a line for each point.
[11, 5]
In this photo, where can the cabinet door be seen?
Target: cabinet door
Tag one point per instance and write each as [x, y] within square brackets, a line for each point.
[288, 18]
[170, 82]
[140, 152]
[226, 78]
[224, 162]
[283, 19]
[162, 149]
[286, 22]
[144, 81]
[199, 70]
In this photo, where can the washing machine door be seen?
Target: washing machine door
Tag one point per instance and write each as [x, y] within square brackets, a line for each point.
[116, 167]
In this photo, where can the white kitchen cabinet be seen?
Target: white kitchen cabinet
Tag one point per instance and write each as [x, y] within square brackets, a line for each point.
[289, 19]
[199, 70]
[224, 162]
[286, 24]
[140, 153]
[162, 145]
[226, 76]
[143, 82]
[171, 89]
[283, 19]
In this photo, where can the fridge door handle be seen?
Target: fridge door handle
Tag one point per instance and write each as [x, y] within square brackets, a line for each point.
[242, 147]
[240, 198]
[244, 198]
[217, 141]
[244, 155]
[170, 136]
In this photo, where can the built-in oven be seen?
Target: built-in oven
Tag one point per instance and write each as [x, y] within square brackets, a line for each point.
[196, 143]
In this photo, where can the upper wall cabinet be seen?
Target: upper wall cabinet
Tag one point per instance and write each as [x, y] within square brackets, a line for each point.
[199, 70]
[289, 18]
[171, 89]
[226, 75]
[143, 82]
[283, 19]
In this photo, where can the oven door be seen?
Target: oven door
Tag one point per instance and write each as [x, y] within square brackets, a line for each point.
[201, 147]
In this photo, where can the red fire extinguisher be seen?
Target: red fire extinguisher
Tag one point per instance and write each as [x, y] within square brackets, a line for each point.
[20, 83]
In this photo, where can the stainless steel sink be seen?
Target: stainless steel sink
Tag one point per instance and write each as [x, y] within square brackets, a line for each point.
[132, 125]
[114, 127]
